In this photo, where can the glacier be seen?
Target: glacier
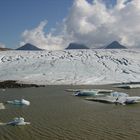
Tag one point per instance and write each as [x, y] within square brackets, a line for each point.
[71, 67]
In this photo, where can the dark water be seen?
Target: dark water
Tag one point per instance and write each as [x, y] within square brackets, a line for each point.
[57, 115]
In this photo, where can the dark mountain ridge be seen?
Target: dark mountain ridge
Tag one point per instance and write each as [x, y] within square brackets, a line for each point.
[76, 46]
[115, 45]
[29, 47]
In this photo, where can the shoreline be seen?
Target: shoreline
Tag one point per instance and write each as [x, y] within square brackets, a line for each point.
[16, 84]
[20, 84]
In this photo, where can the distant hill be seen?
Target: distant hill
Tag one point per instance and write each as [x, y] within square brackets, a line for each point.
[29, 47]
[115, 45]
[76, 46]
[4, 49]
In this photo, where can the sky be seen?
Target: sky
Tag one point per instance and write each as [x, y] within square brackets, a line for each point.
[53, 24]
[18, 15]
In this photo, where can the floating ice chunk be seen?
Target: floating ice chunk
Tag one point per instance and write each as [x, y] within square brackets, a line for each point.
[128, 100]
[129, 86]
[2, 106]
[25, 102]
[87, 93]
[2, 124]
[91, 92]
[117, 98]
[119, 94]
[19, 102]
[3, 89]
[18, 121]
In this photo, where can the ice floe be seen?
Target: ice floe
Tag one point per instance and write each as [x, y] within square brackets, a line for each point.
[19, 102]
[2, 106]
[17, 121]
[116, 98]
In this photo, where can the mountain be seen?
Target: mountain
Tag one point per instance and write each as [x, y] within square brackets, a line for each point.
[115, 45]
[29, 47]
[76, 46]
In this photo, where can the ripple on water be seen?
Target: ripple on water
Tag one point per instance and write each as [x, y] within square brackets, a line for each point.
[56, 115]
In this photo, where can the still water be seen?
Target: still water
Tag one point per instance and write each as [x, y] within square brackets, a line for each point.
[57, 115]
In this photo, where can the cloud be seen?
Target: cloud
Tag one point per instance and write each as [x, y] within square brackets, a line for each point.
[38, 37]
[93, 24]
[2, 45]
[103, 25]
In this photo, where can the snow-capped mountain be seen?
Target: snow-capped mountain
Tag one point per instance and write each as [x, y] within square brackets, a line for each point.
[71, 66]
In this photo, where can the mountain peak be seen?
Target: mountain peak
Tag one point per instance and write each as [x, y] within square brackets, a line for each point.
[29, 46]
[77, 46]
[115, 45]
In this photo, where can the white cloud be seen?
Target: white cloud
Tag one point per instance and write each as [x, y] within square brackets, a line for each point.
[2, 45]
[93, 24]
[38, 37]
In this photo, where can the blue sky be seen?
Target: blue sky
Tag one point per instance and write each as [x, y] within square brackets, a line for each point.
[23, 21]
[18, 15]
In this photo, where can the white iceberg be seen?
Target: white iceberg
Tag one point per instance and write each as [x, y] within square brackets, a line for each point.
[117, 98]
[128, 86]
[2, 106]
[19, 102]
[18, 121]
[87, 93]
[119, 94]
[127, 100]
[90, 92]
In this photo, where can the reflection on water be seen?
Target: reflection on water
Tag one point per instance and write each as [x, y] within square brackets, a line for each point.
[57, 115]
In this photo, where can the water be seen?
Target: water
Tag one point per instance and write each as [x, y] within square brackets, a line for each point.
[57, 115]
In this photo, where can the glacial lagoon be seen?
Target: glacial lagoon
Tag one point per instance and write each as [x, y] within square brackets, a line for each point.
[58, 115]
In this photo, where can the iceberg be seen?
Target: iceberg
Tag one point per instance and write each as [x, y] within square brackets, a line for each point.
[18, 121]
[90, 92]
[87, 93]
[19, 102]
[127, 100]
[129, 86]
[117, 98]
[2, 106]
[119, 94]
